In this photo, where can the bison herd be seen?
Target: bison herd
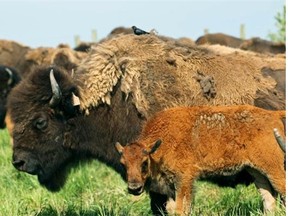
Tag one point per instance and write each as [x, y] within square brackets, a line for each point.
[206, 109]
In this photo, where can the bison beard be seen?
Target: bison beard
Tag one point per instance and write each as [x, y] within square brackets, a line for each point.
[55, 182]
[57, 179]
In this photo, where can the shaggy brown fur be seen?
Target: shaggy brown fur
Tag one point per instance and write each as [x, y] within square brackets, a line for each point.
[24, 58]
[150, 70]
[62, 57]
[12, 54]
[199, 141]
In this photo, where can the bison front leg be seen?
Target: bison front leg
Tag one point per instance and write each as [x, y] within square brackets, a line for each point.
[184, 196]
[158, 203]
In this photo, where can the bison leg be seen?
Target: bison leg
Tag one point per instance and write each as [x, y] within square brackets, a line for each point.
[264, 187]
[184, 196]
[158, 203]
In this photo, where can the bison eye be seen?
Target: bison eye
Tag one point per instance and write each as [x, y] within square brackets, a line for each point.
[144, 167]
[41, 123]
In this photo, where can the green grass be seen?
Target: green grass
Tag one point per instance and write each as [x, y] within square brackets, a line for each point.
[94, 189]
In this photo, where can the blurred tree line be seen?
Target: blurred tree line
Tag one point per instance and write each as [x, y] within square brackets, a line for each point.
[280, 35]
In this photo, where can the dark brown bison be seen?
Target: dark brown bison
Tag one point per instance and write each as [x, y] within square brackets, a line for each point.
[123, 82]
[9, 78]
[25, 59]
[219, 38]
[263, 46]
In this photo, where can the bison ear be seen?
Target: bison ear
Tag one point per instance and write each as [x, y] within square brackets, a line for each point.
[119, 147]
[155, 146]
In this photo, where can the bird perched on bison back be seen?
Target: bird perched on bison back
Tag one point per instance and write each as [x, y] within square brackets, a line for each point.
[138, 31]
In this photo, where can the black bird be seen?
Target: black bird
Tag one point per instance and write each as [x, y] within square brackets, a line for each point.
[138, 31]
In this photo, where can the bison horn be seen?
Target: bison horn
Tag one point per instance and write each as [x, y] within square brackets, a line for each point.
[57, 94]
[10, 80]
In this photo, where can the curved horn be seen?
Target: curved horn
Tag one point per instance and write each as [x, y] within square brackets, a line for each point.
[57, 94]
[10, 80]
[280, 140]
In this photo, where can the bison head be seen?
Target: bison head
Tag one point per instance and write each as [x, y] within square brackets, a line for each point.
[41, 109]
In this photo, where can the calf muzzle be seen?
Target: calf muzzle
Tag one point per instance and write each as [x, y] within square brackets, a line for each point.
[135, 188]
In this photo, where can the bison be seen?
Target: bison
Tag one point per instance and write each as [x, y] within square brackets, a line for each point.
[61, 56]
[12, 54]
[123, 82]
[9, 78]
[219, 38]
[257, 44]
[205, 140]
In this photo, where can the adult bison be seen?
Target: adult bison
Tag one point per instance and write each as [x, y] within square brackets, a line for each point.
[219, 38]
[12, 54]
[9, 78]
[116, 89]
[257, 44]
[24, 58]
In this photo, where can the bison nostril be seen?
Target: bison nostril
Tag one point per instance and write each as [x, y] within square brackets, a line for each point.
[18, 164]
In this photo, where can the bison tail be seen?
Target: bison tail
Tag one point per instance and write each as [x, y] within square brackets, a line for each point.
[282, 113]
[280, 140]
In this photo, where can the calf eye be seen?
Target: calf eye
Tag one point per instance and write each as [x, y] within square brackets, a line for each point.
[41, 123]
[144, 167]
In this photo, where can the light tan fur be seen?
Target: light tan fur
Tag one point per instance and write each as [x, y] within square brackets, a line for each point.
[12, 53]
[160, 73]
[199, 141]
[47, 55]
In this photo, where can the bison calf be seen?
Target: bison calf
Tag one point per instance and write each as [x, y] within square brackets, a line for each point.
[201, 141]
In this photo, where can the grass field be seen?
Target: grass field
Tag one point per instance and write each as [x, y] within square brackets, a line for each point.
[94, 189]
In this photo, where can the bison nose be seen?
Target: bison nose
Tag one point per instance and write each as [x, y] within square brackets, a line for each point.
[30, 166]
[18, 164]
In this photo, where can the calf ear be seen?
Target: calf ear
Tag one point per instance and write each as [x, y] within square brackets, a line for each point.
[119, 147]
[155, 146]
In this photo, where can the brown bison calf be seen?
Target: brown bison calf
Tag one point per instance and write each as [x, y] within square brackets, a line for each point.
[201, 141]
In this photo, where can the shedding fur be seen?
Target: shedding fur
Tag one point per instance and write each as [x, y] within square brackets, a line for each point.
[151, 69]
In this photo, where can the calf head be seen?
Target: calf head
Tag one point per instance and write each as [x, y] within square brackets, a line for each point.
[41, 107]
[135, 157]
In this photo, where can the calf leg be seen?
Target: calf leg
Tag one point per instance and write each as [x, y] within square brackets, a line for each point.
[184, 196]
